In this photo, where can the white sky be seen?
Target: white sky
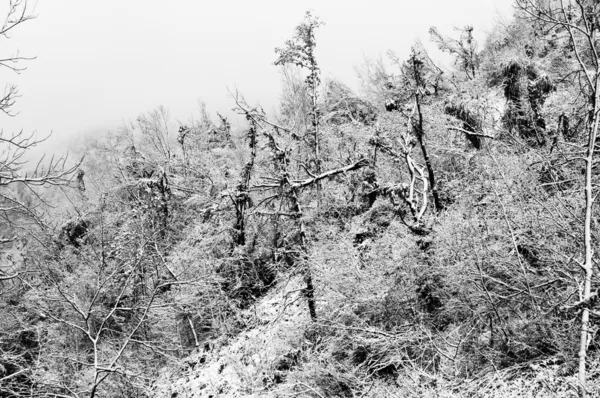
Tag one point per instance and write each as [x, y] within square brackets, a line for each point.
[104, 61]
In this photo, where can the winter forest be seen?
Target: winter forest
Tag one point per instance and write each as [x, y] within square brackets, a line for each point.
[432, 235]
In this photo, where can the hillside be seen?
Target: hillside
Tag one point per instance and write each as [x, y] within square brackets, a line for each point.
[431, 236]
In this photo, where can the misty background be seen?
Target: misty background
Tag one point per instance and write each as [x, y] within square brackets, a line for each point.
[99, 64]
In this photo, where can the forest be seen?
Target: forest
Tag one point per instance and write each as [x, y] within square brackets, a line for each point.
[432, 235]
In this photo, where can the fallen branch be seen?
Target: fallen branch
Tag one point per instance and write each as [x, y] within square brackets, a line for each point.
[467, 132]
[328, 174]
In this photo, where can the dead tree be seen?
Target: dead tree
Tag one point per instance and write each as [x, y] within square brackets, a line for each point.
[286, 190]
[416, 121]
[241, 197]
[408, 100]
[414, 193]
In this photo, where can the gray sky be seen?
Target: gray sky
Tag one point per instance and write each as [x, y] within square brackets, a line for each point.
[102, 62]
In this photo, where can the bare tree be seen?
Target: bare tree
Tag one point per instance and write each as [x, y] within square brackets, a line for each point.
[22, 211]
[578, 22]
[464, 49]
[417, 122]
[155, 129]
[282, 187]
[407, 192]
[15, 173]
[18, 13]
[408, 99]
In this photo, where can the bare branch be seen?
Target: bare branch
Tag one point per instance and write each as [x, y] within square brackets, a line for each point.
[470, 132]
[328, 174]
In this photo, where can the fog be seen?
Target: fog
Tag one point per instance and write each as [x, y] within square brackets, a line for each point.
[101, 63]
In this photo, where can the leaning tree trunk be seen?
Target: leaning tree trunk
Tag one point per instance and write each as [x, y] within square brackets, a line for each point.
[420, 132]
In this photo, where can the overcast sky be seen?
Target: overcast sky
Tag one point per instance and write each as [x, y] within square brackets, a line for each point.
[101, 62]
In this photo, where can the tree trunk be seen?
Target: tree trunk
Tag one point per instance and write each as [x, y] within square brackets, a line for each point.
[588, 265]
[420, 132]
